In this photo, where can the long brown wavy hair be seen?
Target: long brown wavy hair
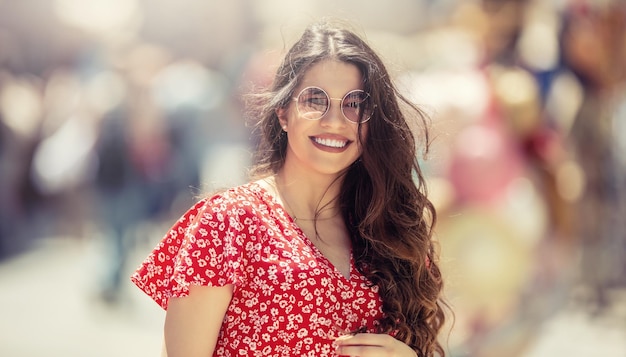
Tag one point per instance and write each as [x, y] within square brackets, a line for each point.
[383, 195]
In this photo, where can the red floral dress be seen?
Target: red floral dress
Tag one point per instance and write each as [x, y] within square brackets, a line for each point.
[288, 299]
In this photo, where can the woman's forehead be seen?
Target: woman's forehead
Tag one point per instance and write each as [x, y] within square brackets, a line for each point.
[335, 77]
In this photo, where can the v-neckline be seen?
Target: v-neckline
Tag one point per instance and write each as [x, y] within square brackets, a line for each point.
[318, 251]
[305, 238]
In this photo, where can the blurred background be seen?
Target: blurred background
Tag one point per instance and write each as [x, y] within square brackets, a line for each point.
[116, 115]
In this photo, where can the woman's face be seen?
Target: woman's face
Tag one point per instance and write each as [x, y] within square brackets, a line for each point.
[328, 145]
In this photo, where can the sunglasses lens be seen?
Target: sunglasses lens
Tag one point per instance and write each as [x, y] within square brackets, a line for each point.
[313, 103]
[355, 106]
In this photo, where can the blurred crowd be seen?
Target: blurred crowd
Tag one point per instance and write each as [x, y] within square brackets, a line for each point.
[116, 115]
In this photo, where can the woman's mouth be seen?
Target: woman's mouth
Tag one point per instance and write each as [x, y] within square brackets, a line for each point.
[331, 143]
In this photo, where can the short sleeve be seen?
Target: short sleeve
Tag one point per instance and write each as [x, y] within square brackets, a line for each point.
[204, 247]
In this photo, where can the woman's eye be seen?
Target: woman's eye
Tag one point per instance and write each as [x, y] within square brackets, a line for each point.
[316, 101]
[353, 105]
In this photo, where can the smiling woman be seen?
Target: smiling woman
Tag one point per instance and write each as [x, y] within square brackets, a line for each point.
[333, 235]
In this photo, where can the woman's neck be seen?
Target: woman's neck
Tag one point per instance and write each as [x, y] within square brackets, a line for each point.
[307, 197]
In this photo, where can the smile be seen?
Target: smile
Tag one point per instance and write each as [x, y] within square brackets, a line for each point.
[333, 143]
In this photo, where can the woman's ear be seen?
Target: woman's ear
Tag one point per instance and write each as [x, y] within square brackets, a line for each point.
[281, 113]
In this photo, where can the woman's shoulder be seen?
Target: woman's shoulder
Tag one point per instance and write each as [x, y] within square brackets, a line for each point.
[251, 196]
[249, 192]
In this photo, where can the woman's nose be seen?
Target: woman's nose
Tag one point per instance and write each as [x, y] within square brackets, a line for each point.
[334, 114]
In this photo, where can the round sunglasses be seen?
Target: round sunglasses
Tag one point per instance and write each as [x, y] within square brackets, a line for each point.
[313, 103]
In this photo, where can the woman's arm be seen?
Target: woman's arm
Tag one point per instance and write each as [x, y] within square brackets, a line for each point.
[192, 323]
[371, 344]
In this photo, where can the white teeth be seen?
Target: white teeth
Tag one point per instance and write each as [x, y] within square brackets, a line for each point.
[331, 142]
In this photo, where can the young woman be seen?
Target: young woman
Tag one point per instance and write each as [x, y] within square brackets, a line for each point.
[329, 250]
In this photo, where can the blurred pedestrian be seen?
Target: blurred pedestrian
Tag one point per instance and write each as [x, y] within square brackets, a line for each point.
[119, 206]
[594, 48]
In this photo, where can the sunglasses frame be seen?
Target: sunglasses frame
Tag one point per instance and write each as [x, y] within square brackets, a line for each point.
[330, 99]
